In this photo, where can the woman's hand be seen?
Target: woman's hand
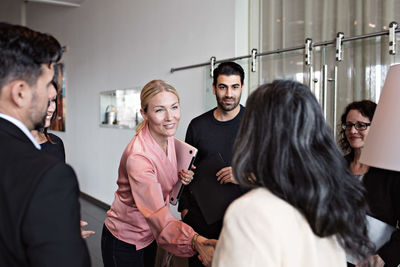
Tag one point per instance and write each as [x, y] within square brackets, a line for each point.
[186, 176]
[205, 247]
[225, 176]
[85, 233]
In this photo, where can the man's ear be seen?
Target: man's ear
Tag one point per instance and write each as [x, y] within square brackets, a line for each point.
[20, 93]
[214, 90]
[144, 115]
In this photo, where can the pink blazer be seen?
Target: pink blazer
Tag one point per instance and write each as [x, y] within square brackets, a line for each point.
[140, 211]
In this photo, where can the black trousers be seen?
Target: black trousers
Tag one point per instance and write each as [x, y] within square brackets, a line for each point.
[195, 219]
[117, 253]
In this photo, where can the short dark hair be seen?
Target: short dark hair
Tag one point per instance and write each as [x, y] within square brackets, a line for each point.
[285, 145]
[23, 51]
[228, 68]
[366, 108]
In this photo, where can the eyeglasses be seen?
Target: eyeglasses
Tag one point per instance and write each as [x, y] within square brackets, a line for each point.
[360, 126]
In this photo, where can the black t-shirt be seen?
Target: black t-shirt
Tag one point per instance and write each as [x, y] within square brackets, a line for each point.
[209, 136]
[57, 149]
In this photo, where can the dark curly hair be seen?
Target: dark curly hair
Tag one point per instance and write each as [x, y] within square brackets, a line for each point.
[228, 68]
[366, 108]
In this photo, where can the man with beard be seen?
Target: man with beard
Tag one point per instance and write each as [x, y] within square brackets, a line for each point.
[213, 133]
[39, 206]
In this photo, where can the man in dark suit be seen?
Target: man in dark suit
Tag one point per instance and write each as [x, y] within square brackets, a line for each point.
[39, 208]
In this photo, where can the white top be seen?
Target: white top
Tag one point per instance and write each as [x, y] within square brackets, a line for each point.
[261, 229]
[23, 128]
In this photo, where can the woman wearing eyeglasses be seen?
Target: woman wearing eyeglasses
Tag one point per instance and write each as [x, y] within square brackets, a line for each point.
[382, 186]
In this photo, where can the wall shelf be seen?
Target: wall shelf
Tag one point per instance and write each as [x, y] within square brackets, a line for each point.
[120, 108]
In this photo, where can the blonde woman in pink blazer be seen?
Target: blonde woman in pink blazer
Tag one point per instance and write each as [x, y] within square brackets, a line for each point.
[139, 218]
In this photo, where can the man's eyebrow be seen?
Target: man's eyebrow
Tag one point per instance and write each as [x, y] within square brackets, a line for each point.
[223, 84]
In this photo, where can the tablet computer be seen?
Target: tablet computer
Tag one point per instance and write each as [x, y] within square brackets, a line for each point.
[185, 155]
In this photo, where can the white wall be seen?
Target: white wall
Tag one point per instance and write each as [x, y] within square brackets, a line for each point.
[10, 11]
[123, 43]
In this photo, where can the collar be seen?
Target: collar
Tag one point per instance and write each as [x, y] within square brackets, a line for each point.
[22, 127]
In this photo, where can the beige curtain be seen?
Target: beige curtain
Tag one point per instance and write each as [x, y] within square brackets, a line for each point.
[361, 74]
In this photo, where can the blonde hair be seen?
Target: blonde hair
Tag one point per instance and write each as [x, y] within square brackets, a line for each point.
[149, 90]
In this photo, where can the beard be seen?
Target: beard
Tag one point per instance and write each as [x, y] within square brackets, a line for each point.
[38, 117]
[228, 107]
[39, 126]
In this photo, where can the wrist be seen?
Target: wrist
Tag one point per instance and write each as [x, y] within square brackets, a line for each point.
[194, 240]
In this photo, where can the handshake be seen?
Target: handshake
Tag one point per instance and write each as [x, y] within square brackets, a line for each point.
[205, 247]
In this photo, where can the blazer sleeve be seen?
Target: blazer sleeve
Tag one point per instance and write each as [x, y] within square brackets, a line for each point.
[390, 252]
[171, 234]
[51, 228]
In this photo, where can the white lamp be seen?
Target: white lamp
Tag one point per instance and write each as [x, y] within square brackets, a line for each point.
[382, 145]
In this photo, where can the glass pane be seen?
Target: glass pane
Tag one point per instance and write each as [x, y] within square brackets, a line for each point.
[287, 65]
[324, 83]
[361, 73]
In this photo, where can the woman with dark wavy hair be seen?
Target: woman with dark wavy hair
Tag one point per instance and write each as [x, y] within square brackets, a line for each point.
[305, 209]
[362, 111]
[382, 186]
[50, 143]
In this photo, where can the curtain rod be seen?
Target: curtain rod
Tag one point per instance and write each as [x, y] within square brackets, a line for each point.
[277, 51]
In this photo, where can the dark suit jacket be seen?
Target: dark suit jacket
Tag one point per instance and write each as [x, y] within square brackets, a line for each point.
[39, 207]
[383, 197]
